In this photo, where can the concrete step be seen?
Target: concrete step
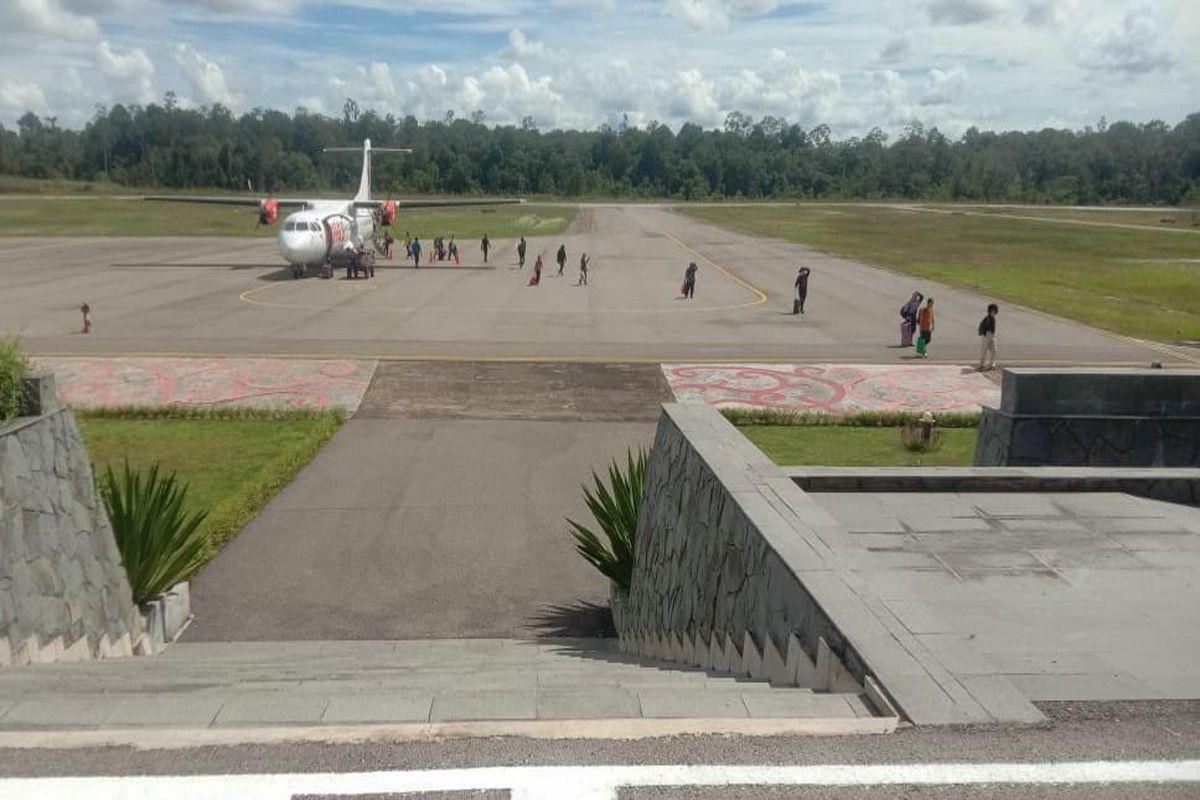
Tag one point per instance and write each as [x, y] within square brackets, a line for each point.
[220, 685]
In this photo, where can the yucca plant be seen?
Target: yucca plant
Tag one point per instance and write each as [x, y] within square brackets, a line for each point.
[160, 545]
[615, 509]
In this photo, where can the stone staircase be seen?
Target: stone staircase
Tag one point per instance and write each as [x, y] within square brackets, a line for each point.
[742, 657]
[436, 685]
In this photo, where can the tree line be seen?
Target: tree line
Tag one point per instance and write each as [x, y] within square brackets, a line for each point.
[162, 145]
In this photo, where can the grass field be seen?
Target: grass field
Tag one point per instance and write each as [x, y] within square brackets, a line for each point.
[1139, 283]
[845, 446]
[232, 466]
[1166, 218]
[125, 216]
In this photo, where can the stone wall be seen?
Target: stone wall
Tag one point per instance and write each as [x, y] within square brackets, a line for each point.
[63, 591]
[729, 548]
[1093, 418]
[702, 565]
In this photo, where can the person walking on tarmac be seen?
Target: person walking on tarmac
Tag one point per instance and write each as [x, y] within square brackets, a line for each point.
[689, 280]
[583, 265]
[987, 338]
[485, 245]
[925, 324]
[536, 278]
[908, 316]
[562, 258]
[801, 290]
[407, 245]
[521, 253]
[415, 250]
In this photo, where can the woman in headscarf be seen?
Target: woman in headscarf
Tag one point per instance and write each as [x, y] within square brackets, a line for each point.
[908, 313]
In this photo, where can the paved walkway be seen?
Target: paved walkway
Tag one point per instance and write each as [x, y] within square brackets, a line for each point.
[90, 382]
[438, 511]
[1068, 597]
[834, 388]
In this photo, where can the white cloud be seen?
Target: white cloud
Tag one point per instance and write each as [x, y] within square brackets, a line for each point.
[46, 18]
[204, 75]
[585, 5]
[890, 97]
[962, 12]
[704, 15]
[17, 98]
[132, 72]
[521, 47]
[944, 87]
[1135, 46]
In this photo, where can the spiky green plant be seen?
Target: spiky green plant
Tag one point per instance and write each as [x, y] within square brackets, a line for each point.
[13, 368]
[615, 509]
[159, 543]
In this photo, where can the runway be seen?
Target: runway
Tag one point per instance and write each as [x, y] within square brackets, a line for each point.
[209, 296]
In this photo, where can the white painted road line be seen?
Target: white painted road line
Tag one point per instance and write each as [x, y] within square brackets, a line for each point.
[592, 782]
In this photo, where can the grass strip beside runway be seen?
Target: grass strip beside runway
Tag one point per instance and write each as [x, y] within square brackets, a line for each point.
[126, 216]
[846, 446]
[233, 460]
[1139, 283]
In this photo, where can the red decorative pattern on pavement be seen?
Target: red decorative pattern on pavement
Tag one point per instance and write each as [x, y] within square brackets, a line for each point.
[257, 382]
[833, 388]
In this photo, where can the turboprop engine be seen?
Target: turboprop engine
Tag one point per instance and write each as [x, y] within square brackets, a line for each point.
[268, 212]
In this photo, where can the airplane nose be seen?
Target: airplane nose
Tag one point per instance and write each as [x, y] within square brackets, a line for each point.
[297, 248]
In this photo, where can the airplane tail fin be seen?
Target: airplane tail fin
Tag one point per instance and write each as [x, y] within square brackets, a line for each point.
[364, 182]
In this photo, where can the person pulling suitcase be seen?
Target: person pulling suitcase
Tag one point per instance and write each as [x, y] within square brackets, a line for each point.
[801, 290]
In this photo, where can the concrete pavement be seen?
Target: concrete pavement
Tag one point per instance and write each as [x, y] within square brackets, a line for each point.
[216, 296]
[437, 511]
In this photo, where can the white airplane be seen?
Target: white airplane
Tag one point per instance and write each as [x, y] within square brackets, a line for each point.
[330, 231]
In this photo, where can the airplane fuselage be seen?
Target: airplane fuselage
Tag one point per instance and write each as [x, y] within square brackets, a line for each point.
[325, 232]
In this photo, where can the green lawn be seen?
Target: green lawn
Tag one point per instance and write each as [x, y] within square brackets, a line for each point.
[1139, 283]
[232, 466]
[846, 446]
[501, 222]
[1166, 218]
[126, 216]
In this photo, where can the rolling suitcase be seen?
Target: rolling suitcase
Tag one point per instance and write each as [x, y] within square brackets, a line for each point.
[796, 306]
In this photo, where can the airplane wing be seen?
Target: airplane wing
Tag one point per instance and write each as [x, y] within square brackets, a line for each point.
[482, 201]
[232, 200]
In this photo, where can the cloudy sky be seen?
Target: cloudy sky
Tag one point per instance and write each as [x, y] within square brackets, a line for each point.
[852, 64]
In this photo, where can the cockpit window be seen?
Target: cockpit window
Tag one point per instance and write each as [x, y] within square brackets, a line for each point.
[289, 226]
[315, 226]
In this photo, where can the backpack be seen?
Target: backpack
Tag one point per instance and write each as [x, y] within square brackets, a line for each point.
[982, 326]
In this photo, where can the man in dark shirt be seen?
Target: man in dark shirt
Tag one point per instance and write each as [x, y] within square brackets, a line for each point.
[689, 280]
[801, 290]
[987, 337]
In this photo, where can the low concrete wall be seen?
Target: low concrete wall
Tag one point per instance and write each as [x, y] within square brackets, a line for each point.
[63, 591]
[1093, 417]
[728, 544]
[1174, 485]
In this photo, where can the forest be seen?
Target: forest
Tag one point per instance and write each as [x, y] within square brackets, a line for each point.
[162, 145]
